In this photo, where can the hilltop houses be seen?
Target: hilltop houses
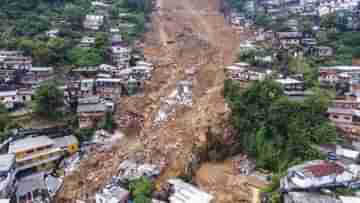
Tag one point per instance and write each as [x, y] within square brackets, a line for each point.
[332, 75]
[119, 55]
[92, 109]
[14, 60]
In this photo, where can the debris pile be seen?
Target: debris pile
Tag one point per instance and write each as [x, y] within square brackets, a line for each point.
[107, 138]
[182, 95]
[128, 118]
[131, 170]
[71, 163]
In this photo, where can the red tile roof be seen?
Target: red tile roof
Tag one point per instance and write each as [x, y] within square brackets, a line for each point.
[325, 169]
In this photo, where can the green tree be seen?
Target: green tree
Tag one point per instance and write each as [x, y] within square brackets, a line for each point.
[328, 21]
[49, 100]
[300, 65]
[262, 20]
[84, 134]
[74, 14]
[108, 123]
[141, 189]
[139, 5]
[42, 55]
[85, 57]
[276, 131]
[101, 40]
[4, 118]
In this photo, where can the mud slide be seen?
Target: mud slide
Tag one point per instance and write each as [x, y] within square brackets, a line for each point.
[185, 35]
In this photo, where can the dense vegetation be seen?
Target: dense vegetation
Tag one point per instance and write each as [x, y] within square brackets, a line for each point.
[49, 100]
[274, 130]
[141, 190]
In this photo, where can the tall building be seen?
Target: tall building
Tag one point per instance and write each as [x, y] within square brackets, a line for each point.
[39, 153]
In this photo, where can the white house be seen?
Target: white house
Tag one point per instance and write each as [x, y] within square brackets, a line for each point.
[319, 173]
[187, 193]
[93, 22]
[112, 194]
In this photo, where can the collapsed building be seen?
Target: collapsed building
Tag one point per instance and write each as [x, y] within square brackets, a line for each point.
[182, 192]
[91, 110]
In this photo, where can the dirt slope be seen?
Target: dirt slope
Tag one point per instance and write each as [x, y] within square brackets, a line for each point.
[185, 34]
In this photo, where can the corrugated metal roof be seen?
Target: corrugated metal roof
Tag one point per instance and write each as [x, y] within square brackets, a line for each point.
[87, 108]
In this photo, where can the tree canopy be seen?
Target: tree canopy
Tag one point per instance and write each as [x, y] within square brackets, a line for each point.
[277, 131]
[141, 190]
[49, 100]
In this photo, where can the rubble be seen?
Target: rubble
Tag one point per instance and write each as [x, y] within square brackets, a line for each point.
[32, 189]
[170, 145]
[131, 170]
[182, 95]
[186, 193]
[71, 163]
[112, 193]
[104, 137]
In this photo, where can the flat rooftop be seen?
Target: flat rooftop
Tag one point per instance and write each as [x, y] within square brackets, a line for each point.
[288, 81]
[6, 161]
[341, 68]
[29, 143]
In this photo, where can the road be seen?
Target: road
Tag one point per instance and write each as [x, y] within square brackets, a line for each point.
[185, 34]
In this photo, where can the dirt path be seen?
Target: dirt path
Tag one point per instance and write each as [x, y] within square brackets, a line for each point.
[185, 33]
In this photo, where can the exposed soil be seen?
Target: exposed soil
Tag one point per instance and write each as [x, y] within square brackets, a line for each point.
[185, 34]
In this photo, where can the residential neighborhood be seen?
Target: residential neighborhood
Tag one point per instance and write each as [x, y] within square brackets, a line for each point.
[163, 101]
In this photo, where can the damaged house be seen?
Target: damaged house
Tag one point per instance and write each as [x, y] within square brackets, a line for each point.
[112, 193]
[91, 110]
[183, 192]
